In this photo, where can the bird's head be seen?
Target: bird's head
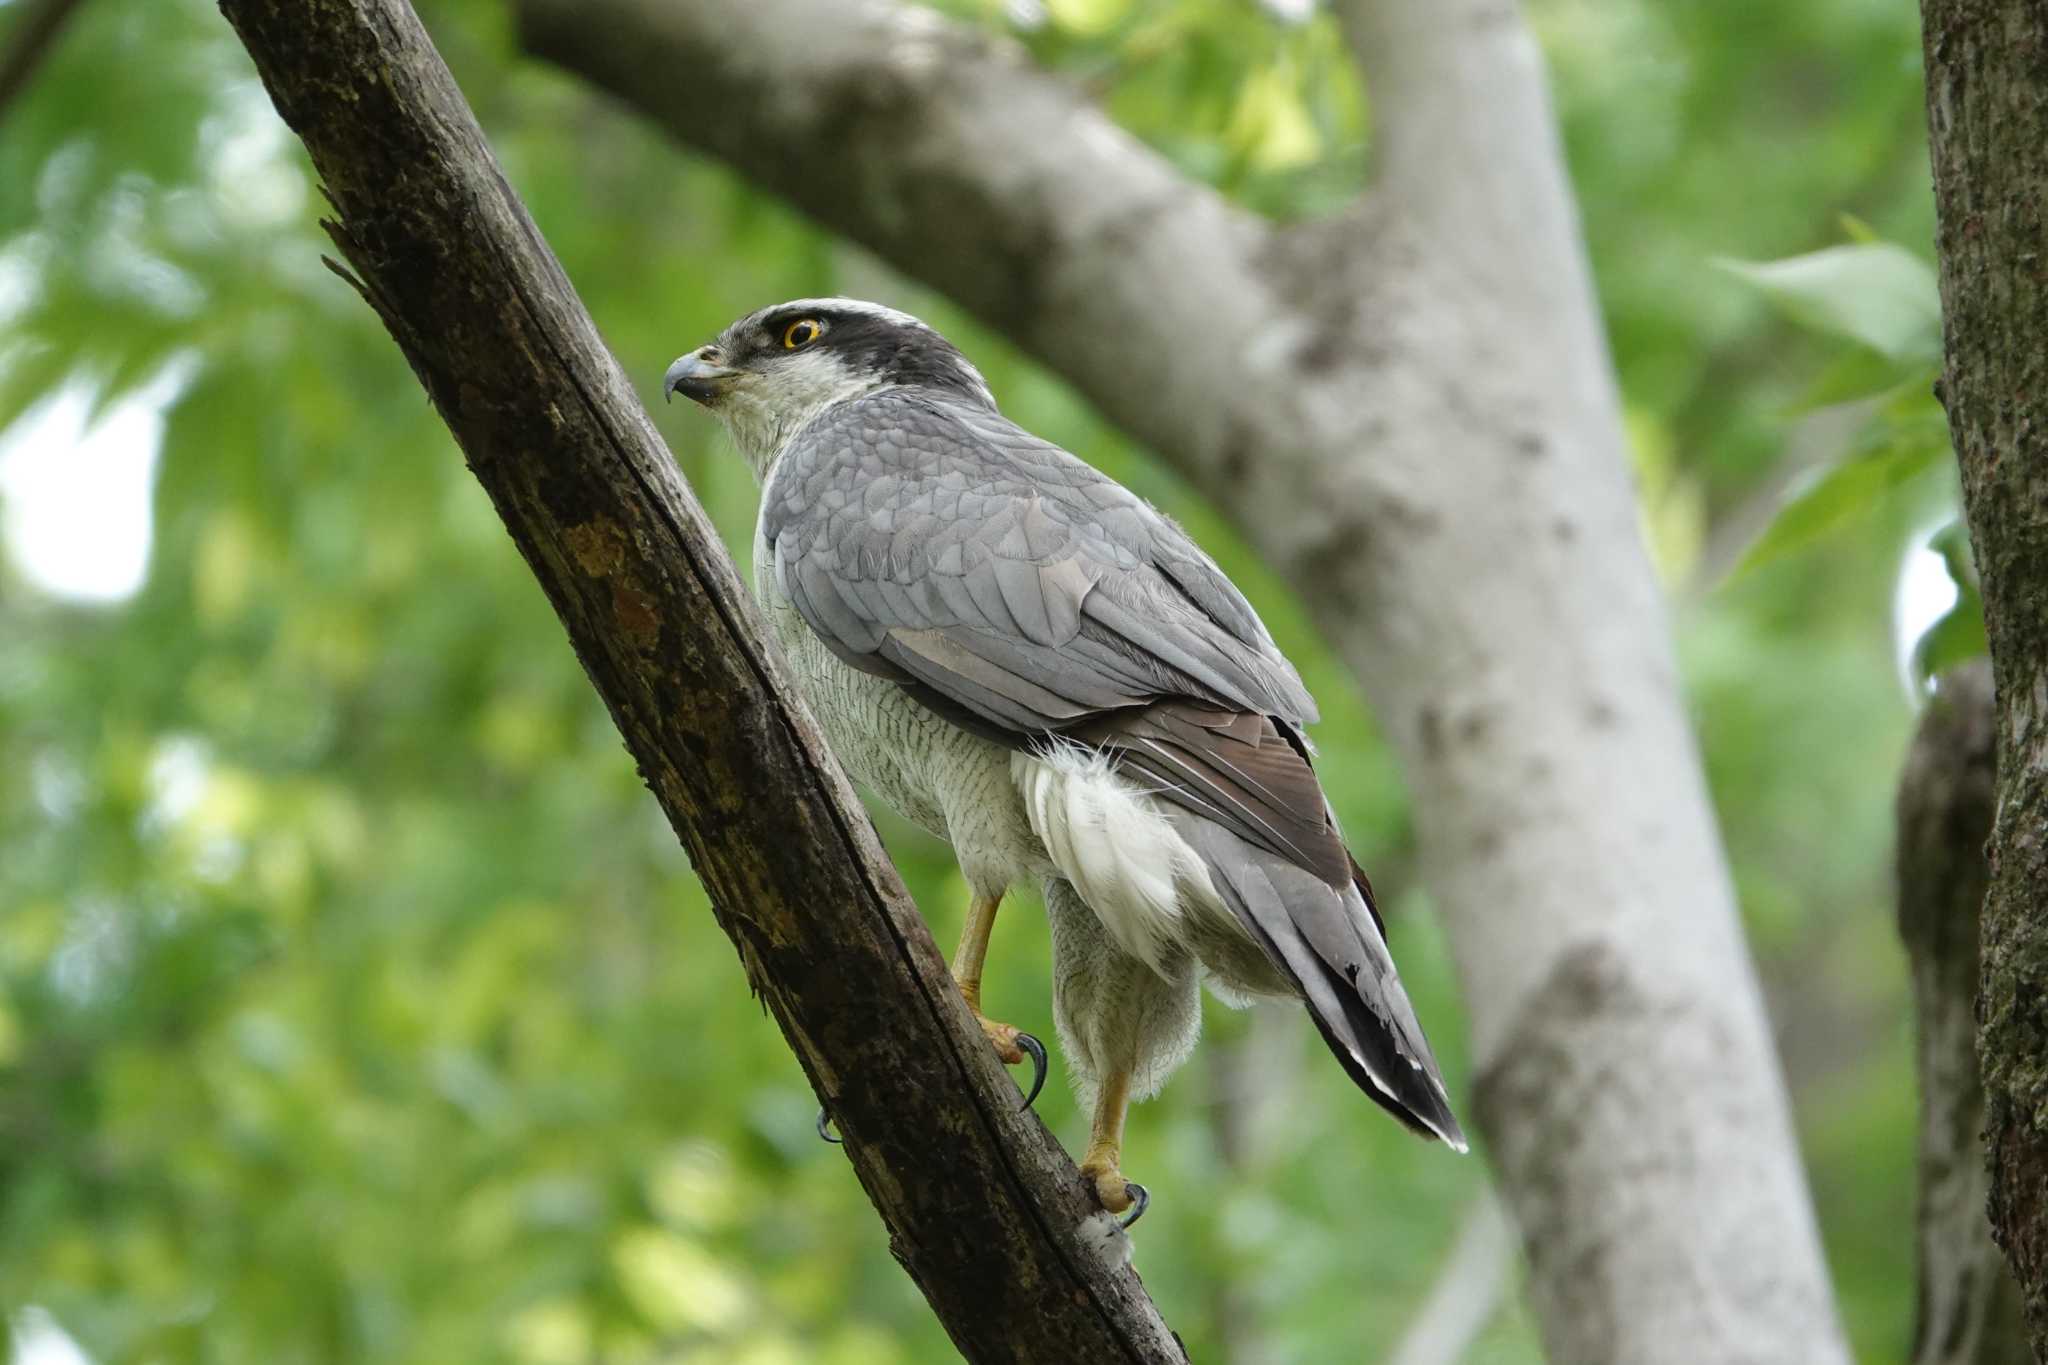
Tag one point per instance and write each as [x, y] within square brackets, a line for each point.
[774, 371]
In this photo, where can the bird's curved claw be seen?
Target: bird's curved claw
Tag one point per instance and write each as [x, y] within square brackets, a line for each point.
[1141, 1199]
[1036, 1051]
[1031, 1047]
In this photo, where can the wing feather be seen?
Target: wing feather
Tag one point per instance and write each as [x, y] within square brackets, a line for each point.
[1027, 548]
[1324, 940]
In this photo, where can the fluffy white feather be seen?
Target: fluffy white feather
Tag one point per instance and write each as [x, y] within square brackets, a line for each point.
[1106, 1238]
[1109, 837]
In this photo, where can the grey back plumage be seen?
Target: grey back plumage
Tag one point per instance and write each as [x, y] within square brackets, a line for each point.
[929, 539]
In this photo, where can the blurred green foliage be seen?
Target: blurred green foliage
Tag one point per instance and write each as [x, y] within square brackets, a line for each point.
[356, 1004]
[1882, 304]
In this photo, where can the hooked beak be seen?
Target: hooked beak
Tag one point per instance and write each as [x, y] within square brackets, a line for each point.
[697, 376]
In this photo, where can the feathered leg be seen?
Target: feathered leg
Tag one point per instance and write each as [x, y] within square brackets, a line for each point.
[1123, 1026]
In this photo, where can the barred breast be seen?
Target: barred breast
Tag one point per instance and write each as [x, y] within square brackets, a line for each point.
[953, 783]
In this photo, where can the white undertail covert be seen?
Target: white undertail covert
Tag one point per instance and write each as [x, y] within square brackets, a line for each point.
[1110, 838]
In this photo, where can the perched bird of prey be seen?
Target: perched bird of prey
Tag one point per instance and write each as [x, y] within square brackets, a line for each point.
[1030, 661]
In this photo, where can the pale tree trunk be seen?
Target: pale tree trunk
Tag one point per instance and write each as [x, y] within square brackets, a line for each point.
[984, 1210]
[1966, 1309]
[1254, 1082]
[1987, 114]
[1409, 411]
[1468, 1291]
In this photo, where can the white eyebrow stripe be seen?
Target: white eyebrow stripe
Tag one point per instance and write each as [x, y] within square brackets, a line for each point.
[841, 305]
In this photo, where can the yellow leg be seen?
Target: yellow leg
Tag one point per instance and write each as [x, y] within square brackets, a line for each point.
[968, 960]
[1106, 1143]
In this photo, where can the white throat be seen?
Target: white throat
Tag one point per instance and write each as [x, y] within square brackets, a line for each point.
[803, 391]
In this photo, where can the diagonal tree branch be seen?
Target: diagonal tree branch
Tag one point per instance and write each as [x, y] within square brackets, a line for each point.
[29, 41]
[1409, 411]
[983, 1208]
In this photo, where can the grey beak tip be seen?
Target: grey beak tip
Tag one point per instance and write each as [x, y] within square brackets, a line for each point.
[696, 378]
[675, 375]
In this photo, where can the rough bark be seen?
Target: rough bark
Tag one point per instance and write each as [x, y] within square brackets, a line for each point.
[1987, 113]
[1967, 1309]
[983, 1208]
[1409, 411]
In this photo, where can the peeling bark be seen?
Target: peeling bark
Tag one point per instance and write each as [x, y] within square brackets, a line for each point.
[1987, 114]
[1408, 410]
[1967, 1308]
[983, 1208]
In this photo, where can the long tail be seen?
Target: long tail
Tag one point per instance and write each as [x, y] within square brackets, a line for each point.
[1328, 942]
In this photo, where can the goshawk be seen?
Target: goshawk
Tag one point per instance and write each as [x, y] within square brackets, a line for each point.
[1027, 659]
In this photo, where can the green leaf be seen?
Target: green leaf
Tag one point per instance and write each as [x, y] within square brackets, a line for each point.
[1875, 293]
[28, 376]
[1952, 543]
[1087, 16]
[1956, 638]
[1859, 373]
[1835, 496]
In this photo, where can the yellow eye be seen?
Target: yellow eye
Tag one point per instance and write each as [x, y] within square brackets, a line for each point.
[802, 332]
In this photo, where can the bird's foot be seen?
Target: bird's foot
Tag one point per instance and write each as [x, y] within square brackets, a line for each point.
[1117, 1194]
[1013, 1045]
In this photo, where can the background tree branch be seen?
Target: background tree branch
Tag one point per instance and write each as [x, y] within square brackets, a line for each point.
[1409, 411]
[1468, 1292]
[930, 142]
[1968, 1310]
[29, 39]
[983, 1208]
[1987, 114]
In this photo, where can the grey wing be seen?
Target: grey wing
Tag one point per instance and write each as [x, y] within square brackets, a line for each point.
[947, 548]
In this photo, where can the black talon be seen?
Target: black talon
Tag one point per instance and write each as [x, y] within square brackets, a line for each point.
[825, 1129]
[1038, 1067]
[1143, 1198]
